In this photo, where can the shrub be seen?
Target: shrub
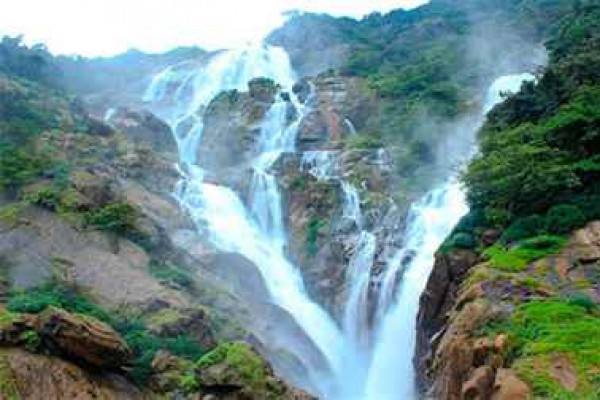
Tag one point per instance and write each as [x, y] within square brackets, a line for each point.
[564, 218]
[315, 226]
[37, 299]
[18, 167]
[120, 218]
[145, 345]
[473, 220]
[462, 240]
[523, 228]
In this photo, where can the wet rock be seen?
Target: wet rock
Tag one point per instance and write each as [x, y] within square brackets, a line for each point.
[51, 247]
[84, 338]
[262, 89]
[438, 299]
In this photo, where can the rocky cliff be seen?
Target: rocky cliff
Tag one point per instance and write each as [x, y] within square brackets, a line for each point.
[469, 344]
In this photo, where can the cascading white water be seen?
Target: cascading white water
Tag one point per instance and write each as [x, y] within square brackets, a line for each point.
[391, 374]
[256, 231]
[320, 164]
[350, 126]
[363, 368]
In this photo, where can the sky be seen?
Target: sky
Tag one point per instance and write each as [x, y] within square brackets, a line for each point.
[108, 27]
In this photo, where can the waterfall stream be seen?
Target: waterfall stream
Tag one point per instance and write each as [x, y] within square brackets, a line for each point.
[363, 362]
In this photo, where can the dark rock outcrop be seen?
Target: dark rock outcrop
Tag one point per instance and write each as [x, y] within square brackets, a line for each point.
[29, 376]
[83, 339]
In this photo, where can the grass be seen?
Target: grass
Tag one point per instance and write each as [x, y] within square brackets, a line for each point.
[541, 330]
[517, 258]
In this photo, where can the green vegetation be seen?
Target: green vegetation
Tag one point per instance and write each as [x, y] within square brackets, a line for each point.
[19, 166]
[523, 228]
[539, 332]
[171, 274]
[120, 218]
[459, 240]
[564, 218]
[314, 230]
[539, 149]
[242, 359]
[517, 258]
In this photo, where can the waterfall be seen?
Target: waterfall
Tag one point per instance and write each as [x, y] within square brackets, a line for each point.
[256, 230]
[350, 126]
[391, 374]
[364, 362]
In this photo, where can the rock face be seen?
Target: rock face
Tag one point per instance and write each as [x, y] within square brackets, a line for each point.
[85, 344]
[337, 105]
[28, 376]
[440, 296]
[232, 123]
[234, 372]
[314, 42]
[84, 338]
[143, 127]
[464, 293]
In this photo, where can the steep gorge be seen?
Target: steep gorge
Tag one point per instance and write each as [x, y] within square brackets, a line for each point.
[300, 213]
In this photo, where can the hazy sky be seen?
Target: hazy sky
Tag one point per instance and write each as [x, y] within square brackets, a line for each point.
[105, 27]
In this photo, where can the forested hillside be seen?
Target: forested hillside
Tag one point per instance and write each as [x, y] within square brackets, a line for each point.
[534, 182]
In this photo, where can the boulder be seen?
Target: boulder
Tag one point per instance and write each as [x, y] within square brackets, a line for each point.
[83, 338]
[235, 371]
[143, 127]
[167, 372]
[479, 384]
[29, 376]
[509, 387]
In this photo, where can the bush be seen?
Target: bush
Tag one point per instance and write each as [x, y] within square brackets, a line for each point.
[564, 219]
[145, 345]
[35, 300]
[315, 226]
[524, 228]
[120, 218]
[543, 242]
[18, 167]
[462, 241]
[473, 220]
